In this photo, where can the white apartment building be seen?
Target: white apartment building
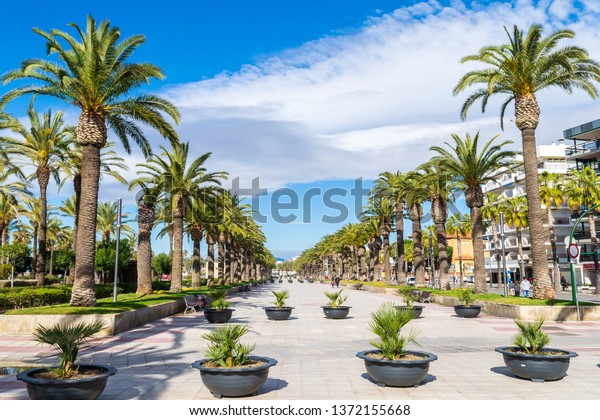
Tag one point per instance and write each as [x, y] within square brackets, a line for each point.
[510, 183]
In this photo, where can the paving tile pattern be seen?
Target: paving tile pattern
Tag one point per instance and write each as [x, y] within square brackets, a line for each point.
[317, 356]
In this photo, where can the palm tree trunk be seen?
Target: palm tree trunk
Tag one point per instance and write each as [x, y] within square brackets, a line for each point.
[386, 258]
[51, 263]
[542, 286]
[77, 189]
[440, 214]
[478, 250]
[210, 261]
[497, 247]
[400, 244]
[555, 268]
[221, 260]
[40, 269]
[196, 264]
[144, 251]
[362, 266]
[83, 293]
[177, 269]
[35, 247]
[520, 250]
[417, 237]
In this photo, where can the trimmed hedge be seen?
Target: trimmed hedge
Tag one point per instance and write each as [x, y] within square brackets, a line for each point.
[27, 297]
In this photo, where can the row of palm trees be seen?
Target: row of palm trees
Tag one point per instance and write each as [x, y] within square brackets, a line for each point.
[92, 72]
[527, 64]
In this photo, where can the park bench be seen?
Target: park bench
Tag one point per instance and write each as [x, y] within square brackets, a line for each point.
[194, 303]
[358, 286]
[425, 297]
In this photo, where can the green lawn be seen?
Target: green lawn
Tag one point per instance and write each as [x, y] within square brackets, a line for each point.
[125, 302]
[509, 300]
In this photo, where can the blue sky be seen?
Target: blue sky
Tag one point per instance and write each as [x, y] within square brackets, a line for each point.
[312, 94]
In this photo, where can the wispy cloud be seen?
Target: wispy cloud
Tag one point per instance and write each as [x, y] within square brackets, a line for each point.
[355, 105]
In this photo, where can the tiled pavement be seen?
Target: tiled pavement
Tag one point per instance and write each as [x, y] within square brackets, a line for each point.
[317, 355]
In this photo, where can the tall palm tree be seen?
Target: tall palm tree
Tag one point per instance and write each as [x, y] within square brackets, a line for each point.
[106, 224]
[382, 208]
[459, 225]
[389, 185]
[438, 184]
[491, 212]
[472, 167]
[55, 230]
[110, 165]
[528, 64]
[147, 197]
[93, 74]
[515, 210]
[179, 180]
[41, 146]
[552, 195]
[416, 194]
[582, 189]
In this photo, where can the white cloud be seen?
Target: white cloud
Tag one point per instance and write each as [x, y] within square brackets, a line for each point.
[354, 105]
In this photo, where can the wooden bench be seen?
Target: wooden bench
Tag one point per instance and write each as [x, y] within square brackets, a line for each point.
[358, 286]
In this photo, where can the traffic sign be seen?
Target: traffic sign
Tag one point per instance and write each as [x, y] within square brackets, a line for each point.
[573, 250]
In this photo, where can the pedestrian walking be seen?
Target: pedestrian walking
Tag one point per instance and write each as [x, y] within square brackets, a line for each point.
[525, 286]
[517, 288]
[337, 281]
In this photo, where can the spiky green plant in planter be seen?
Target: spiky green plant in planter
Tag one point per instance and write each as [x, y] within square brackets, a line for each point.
[335, 299]
[531, 339]
[219, 303]
[387, 323]
[466, 296]
[280, 298]
[225, 349]
[408, 294]
[67, 340]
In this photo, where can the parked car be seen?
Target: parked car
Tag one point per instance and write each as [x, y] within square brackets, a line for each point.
[410, 281]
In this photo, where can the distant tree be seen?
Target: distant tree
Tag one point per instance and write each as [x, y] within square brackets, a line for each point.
[106, 253]
[162, 264]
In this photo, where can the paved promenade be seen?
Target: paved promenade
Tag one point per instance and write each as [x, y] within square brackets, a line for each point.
[317, 355]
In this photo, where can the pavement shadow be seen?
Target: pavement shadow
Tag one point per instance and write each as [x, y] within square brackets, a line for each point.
[429, 378]
[503, 370]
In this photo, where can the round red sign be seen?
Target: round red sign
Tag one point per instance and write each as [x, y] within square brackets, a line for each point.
[573, 250]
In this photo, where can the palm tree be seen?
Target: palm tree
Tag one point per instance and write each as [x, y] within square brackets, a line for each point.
[179, 181]
[515, 211]
[41, 146]
[93, 74]
[552, 194]
[389, 185]
[438, 185]
[106, 224]
[415, 192]
[55, 230]
[382, 208]
[471, 168]
[146, 201]
[528, 64]
[459, 225]
[110, 164]
[582, 189]
[491, 212]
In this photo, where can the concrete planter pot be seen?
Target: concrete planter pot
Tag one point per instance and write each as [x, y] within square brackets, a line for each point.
[278, 314]
[397, 372]
[66, 389]
[537, 367]
[235, 382]
[218, 317]
[464, 311]
[336, 313]
[416, 309]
